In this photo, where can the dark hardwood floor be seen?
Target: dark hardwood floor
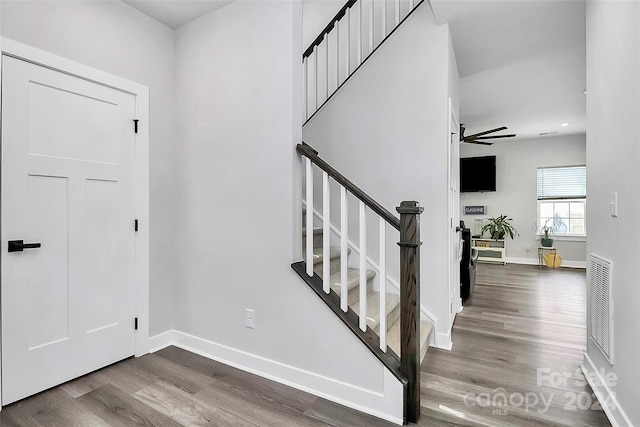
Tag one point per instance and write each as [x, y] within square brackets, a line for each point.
[517, 348]
[520, 319]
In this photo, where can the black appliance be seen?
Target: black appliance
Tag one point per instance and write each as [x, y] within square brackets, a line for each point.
[467, 264]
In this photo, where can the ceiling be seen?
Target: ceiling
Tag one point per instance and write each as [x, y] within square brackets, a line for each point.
[521, 63]
[175, 13]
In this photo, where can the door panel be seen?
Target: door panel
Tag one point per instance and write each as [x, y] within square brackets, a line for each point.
[68, 182]
[102, 253]
[48, 276]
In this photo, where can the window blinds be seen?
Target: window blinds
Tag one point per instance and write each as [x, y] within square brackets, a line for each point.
[562, 183]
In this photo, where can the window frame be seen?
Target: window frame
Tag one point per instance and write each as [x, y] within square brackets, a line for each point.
[555, 234]
[560, 198]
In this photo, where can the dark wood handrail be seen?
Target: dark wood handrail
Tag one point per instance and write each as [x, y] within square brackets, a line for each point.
[312, 154]
[328, 28]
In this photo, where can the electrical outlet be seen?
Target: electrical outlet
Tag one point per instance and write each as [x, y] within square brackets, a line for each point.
[249, 318]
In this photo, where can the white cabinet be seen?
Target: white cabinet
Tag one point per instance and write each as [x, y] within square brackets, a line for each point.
[490, 250]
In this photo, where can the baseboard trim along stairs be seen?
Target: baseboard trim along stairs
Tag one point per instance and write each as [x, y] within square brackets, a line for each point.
[373, 402]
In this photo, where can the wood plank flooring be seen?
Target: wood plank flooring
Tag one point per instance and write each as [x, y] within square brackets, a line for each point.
[519, 319]
[521, 337]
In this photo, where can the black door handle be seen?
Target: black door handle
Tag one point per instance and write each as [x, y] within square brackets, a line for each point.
[19, 245]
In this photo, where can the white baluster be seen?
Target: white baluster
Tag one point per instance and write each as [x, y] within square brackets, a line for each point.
[337, 55]
[411, 4]
[326, 233]
[383, 285]
[315, 62]
[306, 88]
[344, 249]
[371, 22]
[359, 33]
[309, 224]
[348, 43]
[363, 267]
[397, 5]
[384, 19]
[326, 63]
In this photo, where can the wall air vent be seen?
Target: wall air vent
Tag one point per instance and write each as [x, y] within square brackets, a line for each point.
[601, 305]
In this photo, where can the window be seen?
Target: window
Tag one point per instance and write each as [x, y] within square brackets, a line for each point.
[562, 193]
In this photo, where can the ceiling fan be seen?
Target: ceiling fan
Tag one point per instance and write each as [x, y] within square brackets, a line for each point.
[479, 138]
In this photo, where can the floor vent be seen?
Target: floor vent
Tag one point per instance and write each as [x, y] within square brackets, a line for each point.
[601, 305]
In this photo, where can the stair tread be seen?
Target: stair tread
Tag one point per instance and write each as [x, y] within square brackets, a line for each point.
[373, 304]
[353, 279]
[316, 230]
[318, 255]
[393, 337]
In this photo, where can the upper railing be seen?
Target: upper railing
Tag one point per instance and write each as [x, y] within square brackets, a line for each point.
[349, 39]
[409, 266]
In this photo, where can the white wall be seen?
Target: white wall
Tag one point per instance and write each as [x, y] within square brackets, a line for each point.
[316, 14]
[113, 37]
[613, 155]
[386, 130]
[516, 191]
[238, 82]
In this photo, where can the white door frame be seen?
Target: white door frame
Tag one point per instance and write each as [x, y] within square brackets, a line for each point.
[453, 207]
[141, 94]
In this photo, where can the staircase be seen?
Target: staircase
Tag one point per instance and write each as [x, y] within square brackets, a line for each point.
[385, 317]
[383, 311]
[373, 296]
[354, 34]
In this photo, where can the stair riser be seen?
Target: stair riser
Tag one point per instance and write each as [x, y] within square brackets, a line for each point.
[354, 293]
[392, 317]
[334, 266]
[317, 240]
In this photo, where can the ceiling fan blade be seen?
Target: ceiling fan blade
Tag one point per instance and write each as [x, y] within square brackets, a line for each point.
[474, 141]
[486, 132]
[496, 136]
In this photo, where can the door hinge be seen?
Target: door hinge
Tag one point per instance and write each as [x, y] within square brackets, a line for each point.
[135, 225]
[135, 125]
[135, 323]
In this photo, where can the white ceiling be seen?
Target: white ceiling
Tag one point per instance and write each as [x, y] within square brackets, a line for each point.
[175, 13]
[521, 63]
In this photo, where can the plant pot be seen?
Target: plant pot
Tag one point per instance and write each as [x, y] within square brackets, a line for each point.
[497, 235]
[546, 242]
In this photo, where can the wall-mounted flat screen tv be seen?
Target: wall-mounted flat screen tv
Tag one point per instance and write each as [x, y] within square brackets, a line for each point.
[477, 174]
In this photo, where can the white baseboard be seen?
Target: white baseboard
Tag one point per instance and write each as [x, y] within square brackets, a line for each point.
[386, 404]
[574, 264]
[436, 339]
[534, 261]
[443, 341]
[428, 316]
[160, 341]
[605, 395]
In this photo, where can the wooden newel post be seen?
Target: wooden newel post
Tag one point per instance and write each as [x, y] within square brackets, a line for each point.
[409, 305]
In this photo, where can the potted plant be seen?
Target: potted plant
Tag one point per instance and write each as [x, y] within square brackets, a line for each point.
[500, 227]
[547, 230]
[545, 240]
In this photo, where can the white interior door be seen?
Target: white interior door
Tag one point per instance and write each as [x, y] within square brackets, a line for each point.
[68, 183]
[454, 217]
